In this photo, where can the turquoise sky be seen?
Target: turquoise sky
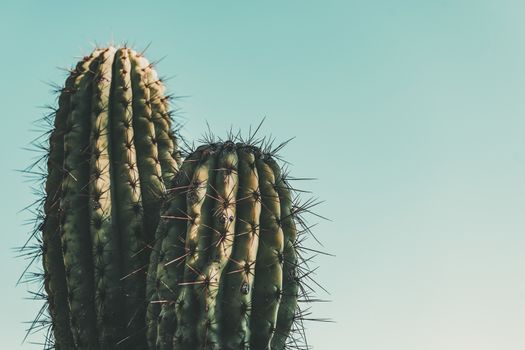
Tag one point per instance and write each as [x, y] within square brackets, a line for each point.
[411, 114]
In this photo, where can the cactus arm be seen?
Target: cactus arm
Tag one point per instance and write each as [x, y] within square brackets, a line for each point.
[237, 281]
[268, 270]
[75, 220]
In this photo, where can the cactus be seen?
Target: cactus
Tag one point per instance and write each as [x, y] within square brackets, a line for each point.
[222, 268]
[226, 270]
[111, 151]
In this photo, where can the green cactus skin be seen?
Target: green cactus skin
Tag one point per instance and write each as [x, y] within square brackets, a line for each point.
[111, 151]
[223, 271]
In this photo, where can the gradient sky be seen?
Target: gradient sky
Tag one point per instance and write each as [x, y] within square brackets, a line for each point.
[411, 115]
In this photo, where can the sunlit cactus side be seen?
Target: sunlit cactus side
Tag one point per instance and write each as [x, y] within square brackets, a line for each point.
[228, 268]
[111, 151]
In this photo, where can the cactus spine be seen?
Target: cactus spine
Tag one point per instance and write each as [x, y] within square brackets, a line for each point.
[110, 153]
[224, 269]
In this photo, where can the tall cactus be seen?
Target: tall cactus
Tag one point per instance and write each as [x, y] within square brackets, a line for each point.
[111, 151]
[225, 272]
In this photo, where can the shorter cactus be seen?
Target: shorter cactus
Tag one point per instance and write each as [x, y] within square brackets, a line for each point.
[226, 271]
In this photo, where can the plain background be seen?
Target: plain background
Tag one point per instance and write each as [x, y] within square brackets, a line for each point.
[411, 115]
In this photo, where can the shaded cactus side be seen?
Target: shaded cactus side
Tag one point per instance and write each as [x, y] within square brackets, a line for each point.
[111, 152]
